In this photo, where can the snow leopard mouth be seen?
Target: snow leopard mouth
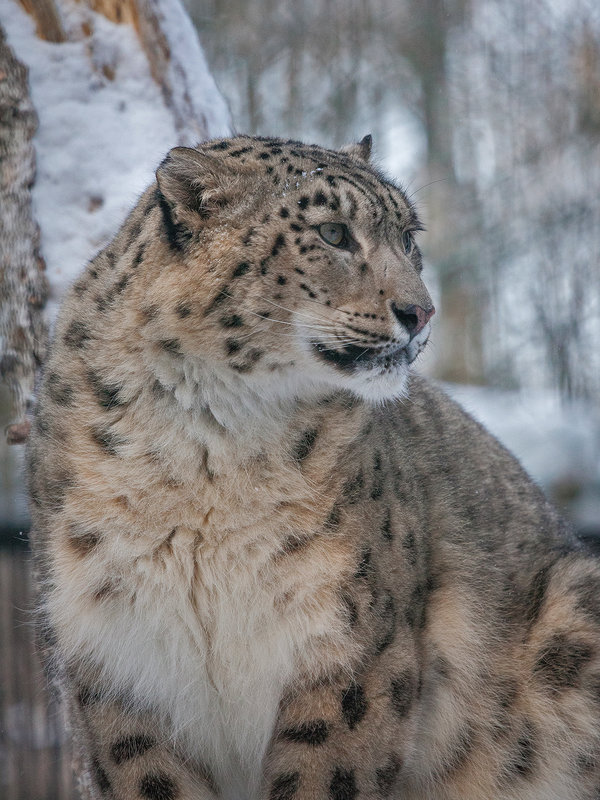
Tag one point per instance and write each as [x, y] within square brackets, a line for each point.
[354, 357]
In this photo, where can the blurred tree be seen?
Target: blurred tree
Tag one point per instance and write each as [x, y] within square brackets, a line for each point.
[424, 39]
[525, 107]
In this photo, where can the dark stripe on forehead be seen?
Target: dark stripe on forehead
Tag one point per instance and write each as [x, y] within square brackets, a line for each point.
[379, 183]
[368, 179]
[391, 196]
[406, 213]
[384, 190]
[399, 212]
[369, 193]
[380, 193]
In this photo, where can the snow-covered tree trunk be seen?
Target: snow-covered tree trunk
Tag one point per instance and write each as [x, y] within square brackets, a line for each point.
[115, 84]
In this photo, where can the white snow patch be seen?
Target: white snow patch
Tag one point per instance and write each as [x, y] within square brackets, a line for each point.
[100, 140]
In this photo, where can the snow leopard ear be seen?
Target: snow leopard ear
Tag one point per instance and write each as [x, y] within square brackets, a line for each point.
[179, 179]
[360, 150]
[192, 186]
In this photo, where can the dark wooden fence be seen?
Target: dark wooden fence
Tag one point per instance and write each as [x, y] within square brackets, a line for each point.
[34, 752]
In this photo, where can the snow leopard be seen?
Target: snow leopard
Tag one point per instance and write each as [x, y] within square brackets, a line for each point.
[274, 563]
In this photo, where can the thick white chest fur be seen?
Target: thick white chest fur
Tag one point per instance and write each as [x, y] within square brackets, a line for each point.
[210, 639]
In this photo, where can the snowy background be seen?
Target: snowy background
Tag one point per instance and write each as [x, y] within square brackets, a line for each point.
[487, 110]
[104, 127]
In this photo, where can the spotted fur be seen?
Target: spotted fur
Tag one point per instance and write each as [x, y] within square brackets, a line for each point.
[273, 565]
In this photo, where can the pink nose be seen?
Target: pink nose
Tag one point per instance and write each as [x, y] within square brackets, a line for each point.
[413, 318]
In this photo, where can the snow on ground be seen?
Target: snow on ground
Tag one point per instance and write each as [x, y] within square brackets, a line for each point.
[557, 442]
[99, 139]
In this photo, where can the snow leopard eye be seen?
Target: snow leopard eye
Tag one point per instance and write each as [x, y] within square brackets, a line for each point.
[334, 233]
[407, 242]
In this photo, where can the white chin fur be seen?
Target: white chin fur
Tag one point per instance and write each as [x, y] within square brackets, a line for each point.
[379, 388]
[376, 385]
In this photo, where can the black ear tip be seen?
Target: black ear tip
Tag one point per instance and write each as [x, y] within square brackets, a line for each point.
[360, 150]
[366, 145]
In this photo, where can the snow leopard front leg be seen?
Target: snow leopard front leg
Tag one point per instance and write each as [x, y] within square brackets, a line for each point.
[344, 738]
[121, 754]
